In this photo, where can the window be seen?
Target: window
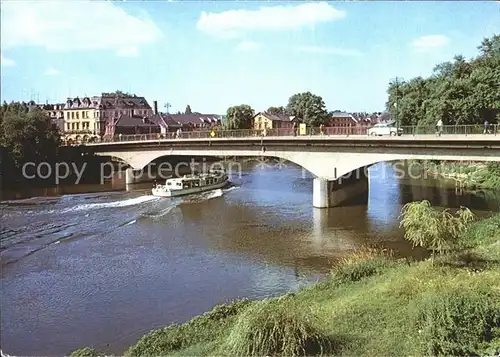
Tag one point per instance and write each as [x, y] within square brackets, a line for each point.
[72, 115]
[68, 126]
[77, 115]
[77, 125]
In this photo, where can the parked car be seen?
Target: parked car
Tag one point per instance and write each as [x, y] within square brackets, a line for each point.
[385, 129]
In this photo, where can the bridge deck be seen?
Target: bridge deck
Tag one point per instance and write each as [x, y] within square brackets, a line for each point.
[342, 138]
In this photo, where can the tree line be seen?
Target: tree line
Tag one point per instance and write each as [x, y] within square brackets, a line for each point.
[307, 107]
[458, 92]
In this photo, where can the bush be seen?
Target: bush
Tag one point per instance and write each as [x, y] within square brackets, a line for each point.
[459, 324]
[199, 329]
[350, 271]
[275, 328]
[429, 228]
[486, 231]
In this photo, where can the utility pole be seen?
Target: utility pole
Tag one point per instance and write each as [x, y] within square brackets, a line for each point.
[167, 105]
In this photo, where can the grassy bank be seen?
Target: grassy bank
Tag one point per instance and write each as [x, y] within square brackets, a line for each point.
[370, 305]
[471, 175]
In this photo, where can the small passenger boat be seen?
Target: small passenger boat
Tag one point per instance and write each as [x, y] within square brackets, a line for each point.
[189, 184]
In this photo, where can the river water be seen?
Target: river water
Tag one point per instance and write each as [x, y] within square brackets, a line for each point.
[101, 269]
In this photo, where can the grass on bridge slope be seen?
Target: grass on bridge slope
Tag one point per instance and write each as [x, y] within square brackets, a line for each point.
[371, 305]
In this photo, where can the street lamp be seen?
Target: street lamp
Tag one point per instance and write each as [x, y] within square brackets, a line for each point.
[167, 105]
[396, 82]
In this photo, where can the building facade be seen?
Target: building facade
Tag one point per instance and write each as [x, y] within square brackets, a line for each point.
[85, 119]
[265, 120]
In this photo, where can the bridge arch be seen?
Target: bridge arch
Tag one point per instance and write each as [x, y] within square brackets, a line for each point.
[327, 159]
[328, 166]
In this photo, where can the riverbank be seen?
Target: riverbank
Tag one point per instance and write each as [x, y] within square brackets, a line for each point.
[469, 175]
[370, 305]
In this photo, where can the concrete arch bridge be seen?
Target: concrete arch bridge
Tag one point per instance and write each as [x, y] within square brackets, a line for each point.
[333, 160]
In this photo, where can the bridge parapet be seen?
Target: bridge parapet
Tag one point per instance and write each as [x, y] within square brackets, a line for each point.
[334, 132]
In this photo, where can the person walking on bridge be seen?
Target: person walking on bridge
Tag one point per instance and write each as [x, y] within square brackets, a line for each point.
[439, 127]
[486, 127]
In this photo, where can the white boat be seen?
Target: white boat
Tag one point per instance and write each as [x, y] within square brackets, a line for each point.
[189, 184]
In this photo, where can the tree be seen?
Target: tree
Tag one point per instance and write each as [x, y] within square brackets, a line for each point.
[277, 110]
[188, 110]
[27, 135]
[239, 117]
[429, 228]
[458, 92]
[309, 108]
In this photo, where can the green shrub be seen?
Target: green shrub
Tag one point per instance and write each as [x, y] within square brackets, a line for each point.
[199, 329]
[357, 270]
[85, 352]
[276, 328]
[486, 231]
[429, 228]
[458, 324]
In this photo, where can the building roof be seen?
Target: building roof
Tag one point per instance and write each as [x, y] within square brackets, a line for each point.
[275, 117]
[343, 115]
[107, 101]
[125, 120]
[194, 118]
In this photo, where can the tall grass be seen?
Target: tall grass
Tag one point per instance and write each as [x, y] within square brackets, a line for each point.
[276, 328]
[433, 229]
[459, 323]
[204, 328]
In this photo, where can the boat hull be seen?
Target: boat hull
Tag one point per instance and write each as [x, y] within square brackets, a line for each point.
[188, 191]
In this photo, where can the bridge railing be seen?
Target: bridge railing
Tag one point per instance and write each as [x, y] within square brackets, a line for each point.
[311, 131]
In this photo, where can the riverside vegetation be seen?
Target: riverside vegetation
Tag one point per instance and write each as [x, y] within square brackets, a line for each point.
[471, 175]
[370, 305]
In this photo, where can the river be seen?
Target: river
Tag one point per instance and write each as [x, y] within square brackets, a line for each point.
[101, 269]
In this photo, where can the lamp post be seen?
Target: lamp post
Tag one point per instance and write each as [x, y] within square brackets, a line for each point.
[396, 103]
[167, 105]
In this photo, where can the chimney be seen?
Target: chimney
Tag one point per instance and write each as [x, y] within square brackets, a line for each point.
[155, 103]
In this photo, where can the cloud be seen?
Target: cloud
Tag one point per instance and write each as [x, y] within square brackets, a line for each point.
[129, 51]
[51, 72]
[331, 50]
[6, 62]
[247, 46]
[73, 25]
[234, 23]
[429, 43]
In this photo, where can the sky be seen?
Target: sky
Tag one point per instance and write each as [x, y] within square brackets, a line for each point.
[216, 54]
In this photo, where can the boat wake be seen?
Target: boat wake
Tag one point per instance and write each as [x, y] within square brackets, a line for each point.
[160, 214]
[121, 203]
[229, 189]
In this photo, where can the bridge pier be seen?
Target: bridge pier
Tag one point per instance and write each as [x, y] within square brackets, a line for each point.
[132, 176]
[334, 193]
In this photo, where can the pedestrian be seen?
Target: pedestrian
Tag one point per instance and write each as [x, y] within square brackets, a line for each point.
[439, 127]
[486, 125]
[321, 129]
[294, 128]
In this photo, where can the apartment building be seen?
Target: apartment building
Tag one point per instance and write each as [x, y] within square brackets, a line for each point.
[86, 118]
